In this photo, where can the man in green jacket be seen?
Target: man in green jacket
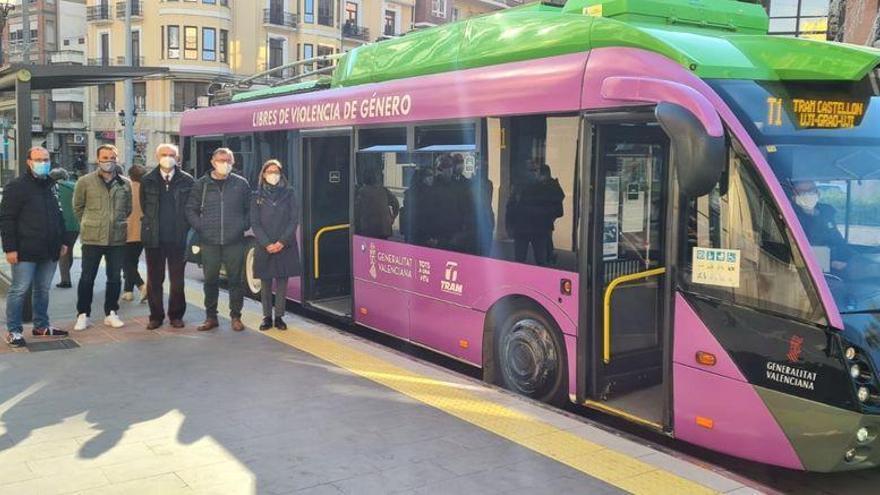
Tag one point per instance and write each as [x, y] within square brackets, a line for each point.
[102, 204]
[65, 188]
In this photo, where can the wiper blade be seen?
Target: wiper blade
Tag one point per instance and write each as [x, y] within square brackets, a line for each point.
[862, 312]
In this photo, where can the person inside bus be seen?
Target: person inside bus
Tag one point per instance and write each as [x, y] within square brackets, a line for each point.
[478, 194]
[417, 207]
[274, 215]
[450, 228]
[376, 207]
[218, 210]
[818, 221]
[532, 210]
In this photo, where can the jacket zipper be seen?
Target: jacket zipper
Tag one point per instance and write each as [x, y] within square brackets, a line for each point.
[221, 215]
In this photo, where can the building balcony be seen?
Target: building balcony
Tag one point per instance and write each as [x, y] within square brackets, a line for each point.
[355, 32]
[98, 13]
[325, 20]
[281, 18]
[137, 9]
[67, 57]
[135, 61]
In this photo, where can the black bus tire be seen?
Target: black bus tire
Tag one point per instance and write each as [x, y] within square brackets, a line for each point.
[530, 355]
[252, 285]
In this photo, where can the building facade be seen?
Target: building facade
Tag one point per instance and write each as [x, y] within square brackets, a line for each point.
[205, 43]
[850, 21]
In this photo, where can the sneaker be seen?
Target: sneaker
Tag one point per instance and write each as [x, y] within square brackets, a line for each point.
[113, 321]
[64, 285]
[279, 323]
[128, 296]
[15, 340]
[49, 331]
[267, 324]
[82, 322]
[143, 290]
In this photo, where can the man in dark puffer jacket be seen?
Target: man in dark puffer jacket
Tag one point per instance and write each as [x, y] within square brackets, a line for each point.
[218, 210]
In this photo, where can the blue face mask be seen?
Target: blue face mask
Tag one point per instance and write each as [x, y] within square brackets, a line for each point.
[41, 169]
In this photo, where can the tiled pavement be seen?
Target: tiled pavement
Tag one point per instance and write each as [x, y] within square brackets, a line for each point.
[178, 411]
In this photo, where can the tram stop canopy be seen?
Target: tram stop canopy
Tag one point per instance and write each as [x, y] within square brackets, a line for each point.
[18, 80]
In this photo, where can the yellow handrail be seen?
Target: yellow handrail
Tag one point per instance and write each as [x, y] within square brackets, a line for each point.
[606, 352]
[318, 235]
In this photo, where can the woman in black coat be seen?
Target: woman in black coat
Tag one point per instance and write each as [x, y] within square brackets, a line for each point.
[274, 218]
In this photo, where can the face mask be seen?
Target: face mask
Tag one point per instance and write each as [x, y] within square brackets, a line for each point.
[807, 201]
[222, 168]
[107, 166]
[41, 169]
[167, 162]
[273, 179]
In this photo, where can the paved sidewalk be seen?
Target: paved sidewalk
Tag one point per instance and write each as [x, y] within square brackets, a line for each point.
[311, 410]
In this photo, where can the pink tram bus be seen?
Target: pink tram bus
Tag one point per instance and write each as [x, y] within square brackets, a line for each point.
[650, 208]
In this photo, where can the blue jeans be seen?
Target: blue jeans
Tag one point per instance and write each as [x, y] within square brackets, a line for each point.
[25, 273]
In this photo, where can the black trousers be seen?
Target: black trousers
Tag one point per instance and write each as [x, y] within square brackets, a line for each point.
[91, 261]
[280, 296]
[540, 248]
[231, 256]
[174, 257]
[66, 261]
[133, 279]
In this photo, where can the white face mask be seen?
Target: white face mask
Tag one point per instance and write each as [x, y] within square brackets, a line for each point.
[167, 162]
[222, 168]
[107, 166]
[807, 201]
[273, 179]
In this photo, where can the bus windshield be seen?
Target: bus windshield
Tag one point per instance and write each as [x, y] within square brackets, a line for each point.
[822, 141]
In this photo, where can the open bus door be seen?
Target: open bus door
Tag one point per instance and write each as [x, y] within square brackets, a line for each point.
[627, 257]
[326, 221]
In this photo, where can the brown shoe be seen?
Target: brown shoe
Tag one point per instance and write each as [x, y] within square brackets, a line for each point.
[237, 325]
[154, 324]
[178, 323]
[209, 324]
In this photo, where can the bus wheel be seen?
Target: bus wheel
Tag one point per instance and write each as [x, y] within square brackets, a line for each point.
[251, 282]
[530, 356]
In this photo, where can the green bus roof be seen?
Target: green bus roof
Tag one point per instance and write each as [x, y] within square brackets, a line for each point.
[287, 89]
[713, 38]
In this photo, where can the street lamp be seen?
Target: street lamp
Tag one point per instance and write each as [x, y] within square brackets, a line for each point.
[123, 121]
[121, 114]
[6, 7]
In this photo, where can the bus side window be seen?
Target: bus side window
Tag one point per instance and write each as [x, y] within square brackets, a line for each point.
[739, 216]
[532, 161]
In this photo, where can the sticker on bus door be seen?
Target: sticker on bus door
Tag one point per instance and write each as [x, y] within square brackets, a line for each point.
[719, 267]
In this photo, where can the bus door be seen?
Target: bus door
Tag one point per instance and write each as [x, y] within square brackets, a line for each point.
[627, 265]
[327, 240]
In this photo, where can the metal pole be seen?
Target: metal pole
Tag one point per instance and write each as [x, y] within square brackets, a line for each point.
[26, 34]
[23, 118]
[128, 130]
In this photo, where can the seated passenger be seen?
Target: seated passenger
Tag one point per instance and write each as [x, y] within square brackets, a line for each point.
[817, 220]
[376, 208]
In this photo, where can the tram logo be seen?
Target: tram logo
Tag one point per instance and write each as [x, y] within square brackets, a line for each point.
[795, 347]
[450, 283]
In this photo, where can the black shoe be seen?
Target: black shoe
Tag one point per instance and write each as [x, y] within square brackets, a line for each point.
[279, 323]
[267, 324]
[15, 340]
[64, 285]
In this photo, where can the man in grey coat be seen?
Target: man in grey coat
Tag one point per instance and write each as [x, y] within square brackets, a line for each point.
[218, 210]
[102, 204]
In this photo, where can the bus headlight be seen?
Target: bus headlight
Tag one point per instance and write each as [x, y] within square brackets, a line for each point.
[855, 371]
[862, 435]
[850, 353]
[863, 394]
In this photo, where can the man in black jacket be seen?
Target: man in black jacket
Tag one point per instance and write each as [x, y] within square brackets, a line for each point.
[219, 211]
[163, 195]
[32, 230]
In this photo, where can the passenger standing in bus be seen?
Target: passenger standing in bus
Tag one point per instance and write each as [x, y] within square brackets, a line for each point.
[134, 247]
[218, 209]
[274, 218]
[102, 204]
[65, 188]
[417, 207]
[532, 210]
[478, 191]
[375, 208]
[449, 228]
[163, 196]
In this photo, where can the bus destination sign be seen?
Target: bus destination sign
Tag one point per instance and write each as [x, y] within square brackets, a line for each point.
[814, 113]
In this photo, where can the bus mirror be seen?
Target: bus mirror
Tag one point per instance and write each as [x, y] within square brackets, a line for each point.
[699, 157]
